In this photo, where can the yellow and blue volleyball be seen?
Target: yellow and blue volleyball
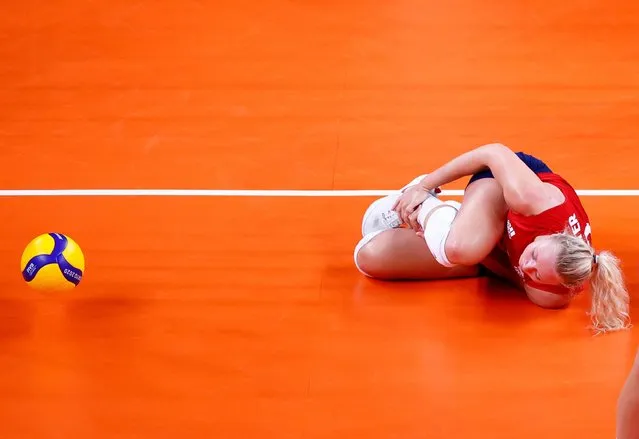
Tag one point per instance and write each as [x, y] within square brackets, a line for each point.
[52, 262]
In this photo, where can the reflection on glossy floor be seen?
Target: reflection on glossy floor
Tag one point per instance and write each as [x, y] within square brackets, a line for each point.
[244, 317]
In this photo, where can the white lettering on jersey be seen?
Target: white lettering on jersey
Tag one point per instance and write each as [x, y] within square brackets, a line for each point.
[511, 230]
[573, 222]
[575, 226]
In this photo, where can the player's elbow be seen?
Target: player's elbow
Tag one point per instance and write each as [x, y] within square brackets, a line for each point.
[497, 149]
[524, 200]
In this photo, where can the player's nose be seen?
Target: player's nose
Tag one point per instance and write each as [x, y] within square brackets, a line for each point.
[528, 265]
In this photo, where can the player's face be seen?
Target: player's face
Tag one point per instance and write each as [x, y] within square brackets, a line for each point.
[539, 261]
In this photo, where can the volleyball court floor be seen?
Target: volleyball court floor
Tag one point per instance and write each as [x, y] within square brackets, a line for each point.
[242, 315]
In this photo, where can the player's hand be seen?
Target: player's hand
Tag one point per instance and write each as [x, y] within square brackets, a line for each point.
[414, 223]
[407, 205]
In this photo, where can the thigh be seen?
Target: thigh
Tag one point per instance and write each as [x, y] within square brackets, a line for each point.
[399, 254]
[479, 225]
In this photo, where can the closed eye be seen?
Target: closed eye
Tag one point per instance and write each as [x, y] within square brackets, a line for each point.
[534, 256]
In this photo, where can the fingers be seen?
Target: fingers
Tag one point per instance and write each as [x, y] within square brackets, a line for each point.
[407, 209]
[413, 222]
[397, 206]
[408, 212]
[400, 207]
[408, 204]
[402, 201]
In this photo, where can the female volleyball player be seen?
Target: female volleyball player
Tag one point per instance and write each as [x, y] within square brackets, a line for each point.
[518, 219]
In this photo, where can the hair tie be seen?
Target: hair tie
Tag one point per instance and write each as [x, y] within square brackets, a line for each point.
[594, 258]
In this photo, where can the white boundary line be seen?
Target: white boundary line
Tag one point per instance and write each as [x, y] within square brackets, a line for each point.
[255, 193]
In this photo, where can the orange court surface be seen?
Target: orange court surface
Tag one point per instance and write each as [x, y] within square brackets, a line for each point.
[240, 314]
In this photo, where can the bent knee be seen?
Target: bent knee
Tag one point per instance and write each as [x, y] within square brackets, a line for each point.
[369, 260]
[368, 256]
[460, 253]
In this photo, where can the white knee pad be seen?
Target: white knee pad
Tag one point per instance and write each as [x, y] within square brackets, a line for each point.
[436, 231]
[365, 240]
[455, 204]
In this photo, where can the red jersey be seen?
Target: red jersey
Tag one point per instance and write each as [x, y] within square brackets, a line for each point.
[521, 230]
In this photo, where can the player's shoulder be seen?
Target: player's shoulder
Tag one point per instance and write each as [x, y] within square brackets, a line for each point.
[556, 180]
[552, 194]
[560, 184]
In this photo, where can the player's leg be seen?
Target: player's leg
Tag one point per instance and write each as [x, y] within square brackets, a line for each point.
[479, 224]
[399, 254]
[392, 253]
[387, 252]
[628, 405]
[467, 236]
[379, 215]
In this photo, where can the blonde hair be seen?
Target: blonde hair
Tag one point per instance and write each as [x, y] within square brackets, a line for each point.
[577, 263]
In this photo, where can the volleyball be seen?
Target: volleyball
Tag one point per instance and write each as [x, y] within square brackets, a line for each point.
[52, 262]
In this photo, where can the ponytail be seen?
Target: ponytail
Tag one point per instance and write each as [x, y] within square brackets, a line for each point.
[610, 298]
[576, 263]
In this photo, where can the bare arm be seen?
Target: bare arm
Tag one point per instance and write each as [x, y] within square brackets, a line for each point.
[524, 192]
[628, 406]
